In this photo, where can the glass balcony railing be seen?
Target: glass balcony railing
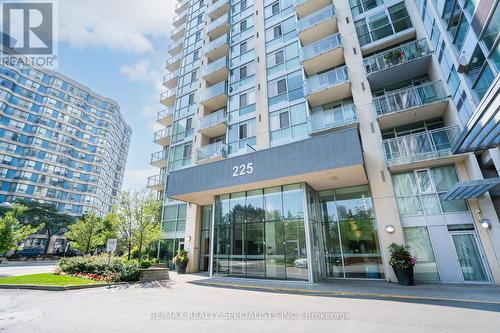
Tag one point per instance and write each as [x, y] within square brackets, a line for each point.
[316, 18]
[410, 97]
[317, 48]
[173, 60]
[177, 32]
[170, 76]
[165, 113]
[181, 4]
[214, 91]
[217, 5]
[213, 150]
[420, 146]
[215, 66]
[157, 180]
[159, 156]
[327, 79]
[175, 45]
[218, 42]
[213, 119]
[163, 133]
[179, 19]
[166, 94]
[332, 118]
[218, 22]
[396, 56]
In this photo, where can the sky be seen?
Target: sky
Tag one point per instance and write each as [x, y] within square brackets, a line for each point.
[118, 48]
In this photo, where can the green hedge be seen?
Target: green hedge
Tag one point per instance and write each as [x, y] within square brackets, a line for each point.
[118, 269]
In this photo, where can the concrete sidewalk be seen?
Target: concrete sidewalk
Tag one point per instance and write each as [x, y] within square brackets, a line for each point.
[15, 268]
[365, 289]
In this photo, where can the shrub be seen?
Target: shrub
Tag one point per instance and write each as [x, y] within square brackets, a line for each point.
[101, 265]
[401, 257]
[181, 256]
[145, 264]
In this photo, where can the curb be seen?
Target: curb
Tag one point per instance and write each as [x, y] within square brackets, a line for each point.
[54, 288]
[341, 294]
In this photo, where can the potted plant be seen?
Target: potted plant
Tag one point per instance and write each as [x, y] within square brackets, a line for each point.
[394, 56]
[402, 263]
[180, 260]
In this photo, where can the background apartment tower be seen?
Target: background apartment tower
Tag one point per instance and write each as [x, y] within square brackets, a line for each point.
[60, 142]
[304, 136]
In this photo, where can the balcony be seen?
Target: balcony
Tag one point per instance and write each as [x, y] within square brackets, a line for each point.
[306, 7]
[165, 116]
[214, 124]
[421, 149]
[218, 48]
[159, 159]
[411, 104]
[157, 182]
[212, 152]
[176, 47]
[218, 27]
[216, 71]
[398, 63]
[167, 98]
[179, 19]
[181, 6]
[215, 97]
[328, 87]
[173, 63]
[162, 137]
[218, 8]
[335, 118]
[317, 25]
[323, 54]
[178, 33]
[170, 80]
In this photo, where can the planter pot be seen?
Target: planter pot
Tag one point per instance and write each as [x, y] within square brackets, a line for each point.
[181, 267]
[405, 276]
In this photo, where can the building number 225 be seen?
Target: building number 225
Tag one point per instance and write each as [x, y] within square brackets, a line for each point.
[244, 169]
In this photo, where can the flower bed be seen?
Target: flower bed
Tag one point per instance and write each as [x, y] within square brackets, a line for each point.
[100, 268]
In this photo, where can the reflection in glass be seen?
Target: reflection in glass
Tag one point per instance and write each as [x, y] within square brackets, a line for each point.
[417, 238]
[275, 250]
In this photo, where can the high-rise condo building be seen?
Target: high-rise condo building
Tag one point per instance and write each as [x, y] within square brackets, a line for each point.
[303, 137]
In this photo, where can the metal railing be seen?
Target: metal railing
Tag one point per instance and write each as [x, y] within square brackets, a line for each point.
[215, 66]
[218, 42]
[165, 113]
[218, 22]
[327, 79]
[159, 156]
[332, 118]
[163, 133]
[214, 118]
[396, 56]
[216, 90]
[157, 180]
[315, 18]
[317, 48]
[409, 97]
[217, 149]
[420, 146]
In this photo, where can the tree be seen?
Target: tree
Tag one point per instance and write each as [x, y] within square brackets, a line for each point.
[138, 220]
[87, 233]
[12, 232]
[44, 216]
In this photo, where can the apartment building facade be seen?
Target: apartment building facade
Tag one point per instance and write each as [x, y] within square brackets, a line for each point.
[303, 137]
[60, 142]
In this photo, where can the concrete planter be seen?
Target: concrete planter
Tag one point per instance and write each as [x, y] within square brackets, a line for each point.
[153, 274]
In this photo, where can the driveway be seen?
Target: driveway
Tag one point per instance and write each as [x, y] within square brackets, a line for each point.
[14, 268]
[181, 306]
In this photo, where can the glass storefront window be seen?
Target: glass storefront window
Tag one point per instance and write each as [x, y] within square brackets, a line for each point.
[417, 238]
[254, 239]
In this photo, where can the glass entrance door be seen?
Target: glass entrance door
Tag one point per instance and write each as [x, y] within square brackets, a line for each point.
[469, 257]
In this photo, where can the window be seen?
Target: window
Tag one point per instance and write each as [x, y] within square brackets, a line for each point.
[187, 151]
[243, 131]
[281, 84]
[243, 47]
[275, 8]
[243, 100]
[277, 31]
[193, 76]
[189, 124]
[284, 121]
[196, 55]
[243, 5]
[243, 25]
[243, 72]
[279, 58]
[191, 99]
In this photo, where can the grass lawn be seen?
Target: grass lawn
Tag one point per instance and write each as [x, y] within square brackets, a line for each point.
[46, 279]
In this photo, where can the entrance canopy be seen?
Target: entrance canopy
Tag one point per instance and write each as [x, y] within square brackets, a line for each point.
[332, 160]
[472, 189]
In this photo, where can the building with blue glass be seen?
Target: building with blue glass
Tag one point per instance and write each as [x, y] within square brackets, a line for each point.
[303, 137]
[60, 142]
